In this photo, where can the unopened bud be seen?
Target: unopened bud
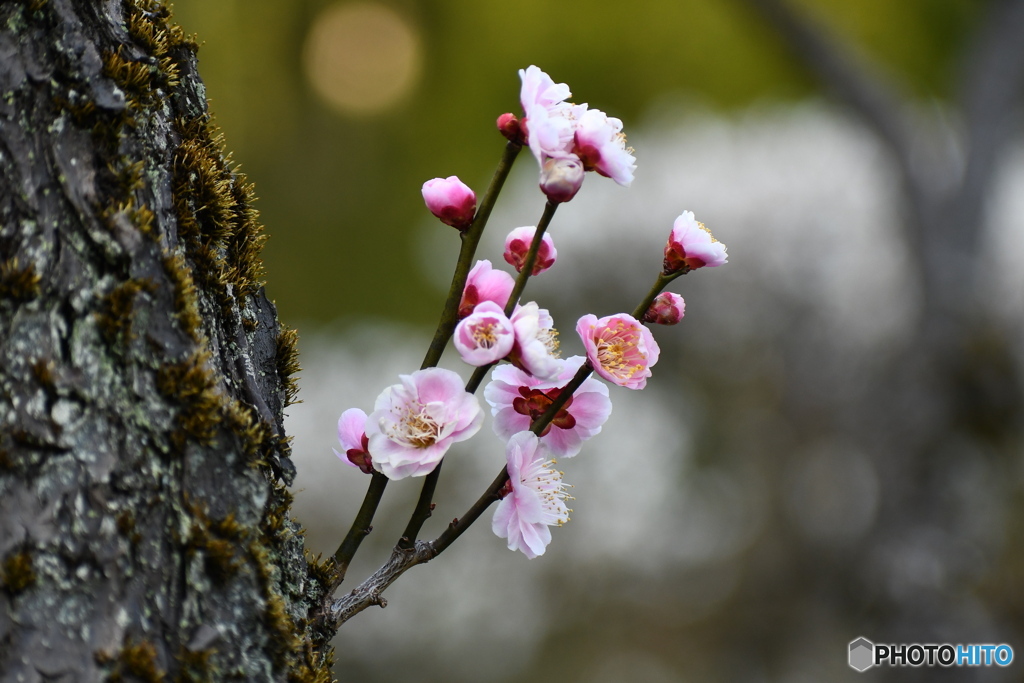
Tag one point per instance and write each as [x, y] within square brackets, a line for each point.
[451, 200]
[666, 309]
[561, 178]
[509, 126]
[517, 244]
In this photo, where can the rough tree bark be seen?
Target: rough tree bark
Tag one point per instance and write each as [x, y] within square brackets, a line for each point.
[144, 517]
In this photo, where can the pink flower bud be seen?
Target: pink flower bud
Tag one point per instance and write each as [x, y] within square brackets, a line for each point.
[509, 126]
[691, 246]
[451, 200]
[517, 244]
[352, 437]
[561, 178]
[485, 284]
[666, 309]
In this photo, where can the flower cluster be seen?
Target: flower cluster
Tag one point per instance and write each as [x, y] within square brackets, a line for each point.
[567, 139]
[542, 406]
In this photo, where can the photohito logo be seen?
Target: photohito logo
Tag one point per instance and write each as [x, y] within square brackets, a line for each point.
[863, 654]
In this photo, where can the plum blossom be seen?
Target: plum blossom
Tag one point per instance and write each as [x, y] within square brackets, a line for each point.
[414, 422]
[534, 498]
[619, 348]
[517, 244]
[484, 283]
[517, 399]
[354, 444]
[484, 336]
[451, 200]
[601, 145]
[666, 309]
[691, 245]
[536, 346]
[561, 178]
[549, 132]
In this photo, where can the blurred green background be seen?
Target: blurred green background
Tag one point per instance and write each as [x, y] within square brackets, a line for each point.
[807, 464]
[339, 188]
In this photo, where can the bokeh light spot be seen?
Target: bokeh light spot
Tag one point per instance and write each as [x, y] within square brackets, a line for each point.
[361, 58]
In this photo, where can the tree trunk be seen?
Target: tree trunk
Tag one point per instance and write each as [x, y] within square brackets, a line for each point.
[144, 520]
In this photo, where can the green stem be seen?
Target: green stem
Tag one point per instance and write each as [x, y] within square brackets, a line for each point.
[470, 239]
[656, 289]
[361, 526]
[449, 318]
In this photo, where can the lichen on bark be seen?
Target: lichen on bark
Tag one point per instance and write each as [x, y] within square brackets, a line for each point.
[145, 531]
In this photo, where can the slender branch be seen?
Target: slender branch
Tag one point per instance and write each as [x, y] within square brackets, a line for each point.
[449, 318]
[656, 288]
[424, 506]
[470, 239]
[425, 502]
[369, 591]
[402, 558]
[361, 527]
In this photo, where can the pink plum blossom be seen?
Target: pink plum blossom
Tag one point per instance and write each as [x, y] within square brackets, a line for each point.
[549, 132]
[534, 498]
[484, 336]
[666, 309]
[561, 178]
[352, 436]
[518, 243]
[484, 283]
[691, 246]
[414, 422]
[517, 399]
[619, 348]
[601, 145]
[536, 347]
[451, 200]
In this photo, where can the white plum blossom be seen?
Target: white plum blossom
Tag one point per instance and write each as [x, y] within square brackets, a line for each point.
[549, 130]
[535, 498]
[601, 145]
[536, 346]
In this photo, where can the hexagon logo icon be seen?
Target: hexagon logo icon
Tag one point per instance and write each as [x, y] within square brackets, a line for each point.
[862, 654]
